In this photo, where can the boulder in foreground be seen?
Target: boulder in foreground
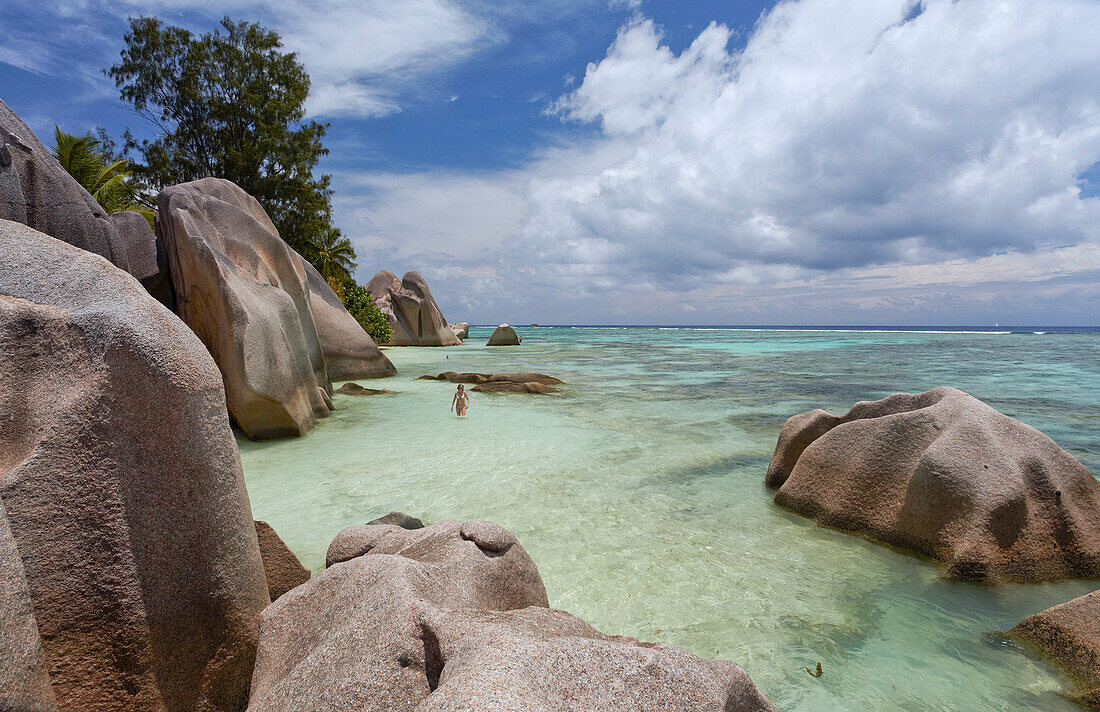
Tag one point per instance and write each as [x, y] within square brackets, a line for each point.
[1069, 634]
[453, 618]
[504, 335]
[123, 493]
[947, 476]
[244, 292]
[411, 310]
[281, 567]
[349, 350]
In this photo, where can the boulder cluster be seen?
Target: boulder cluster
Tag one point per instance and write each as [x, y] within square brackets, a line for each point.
[455, 617]
[502, 382]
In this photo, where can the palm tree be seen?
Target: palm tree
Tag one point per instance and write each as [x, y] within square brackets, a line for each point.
[333, 255]
[107, 180]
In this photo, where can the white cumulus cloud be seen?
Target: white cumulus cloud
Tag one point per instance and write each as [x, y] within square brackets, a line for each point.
[843, 134]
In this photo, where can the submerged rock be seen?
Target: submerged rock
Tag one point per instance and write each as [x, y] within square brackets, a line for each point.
[281, 567]
[123, 493]
[461, 330]
[354, 389]
[511, 387]
[244, 292]
[501, 382]
[453, 618]
[36, 191]
[350, 352]
[1069, 634]
[399, 519]
[411, 310]
[947, 476]
[504, 335]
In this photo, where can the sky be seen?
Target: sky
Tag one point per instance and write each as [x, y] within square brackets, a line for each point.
[860, 162]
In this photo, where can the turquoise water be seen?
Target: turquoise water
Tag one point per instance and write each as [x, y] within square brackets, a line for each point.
[639, 494]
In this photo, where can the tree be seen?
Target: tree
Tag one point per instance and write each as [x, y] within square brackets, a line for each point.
[333, 256]
[91, 162]
[228, 104]
[360, 303]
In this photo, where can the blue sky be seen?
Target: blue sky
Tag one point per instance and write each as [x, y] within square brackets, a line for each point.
[586, 161]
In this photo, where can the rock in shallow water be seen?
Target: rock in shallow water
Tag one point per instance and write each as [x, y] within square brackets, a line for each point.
[354, 389]
[123, 491]
[453, 617]
[411, 309]
[405, 521]
[945, 475]
[504, 335]
[244, 292]
[1070, 635]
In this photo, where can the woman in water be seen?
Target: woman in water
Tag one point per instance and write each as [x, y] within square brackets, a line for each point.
[461, 400]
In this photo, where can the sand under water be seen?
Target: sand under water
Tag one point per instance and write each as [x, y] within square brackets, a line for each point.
[639, 493]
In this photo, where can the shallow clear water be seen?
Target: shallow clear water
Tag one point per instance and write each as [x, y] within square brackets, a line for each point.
[639, 493]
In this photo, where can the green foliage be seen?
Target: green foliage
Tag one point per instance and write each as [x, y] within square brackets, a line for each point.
[90, 160]
[228, 104]
[360, 303]
[333, 256]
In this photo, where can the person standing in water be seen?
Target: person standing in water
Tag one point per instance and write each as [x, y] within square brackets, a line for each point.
[461, 400]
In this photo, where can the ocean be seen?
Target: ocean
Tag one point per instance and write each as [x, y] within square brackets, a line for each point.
[639, 493]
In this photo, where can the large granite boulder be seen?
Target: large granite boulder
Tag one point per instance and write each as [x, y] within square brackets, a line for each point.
[503, 335]
[947, 476]
[123, 492]
[461, 330]
[36, 191]
[282, 569]
[1069, 634]
[350, 352]
[244, 292]
[453, 617]
[411, 309]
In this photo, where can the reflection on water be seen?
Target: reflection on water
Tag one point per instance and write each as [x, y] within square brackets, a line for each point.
[639, 494]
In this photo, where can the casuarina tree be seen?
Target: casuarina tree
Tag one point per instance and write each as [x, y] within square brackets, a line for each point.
[228, 104]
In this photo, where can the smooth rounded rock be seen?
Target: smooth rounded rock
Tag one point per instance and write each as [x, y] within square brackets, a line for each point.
[947, 476]
[504, 335]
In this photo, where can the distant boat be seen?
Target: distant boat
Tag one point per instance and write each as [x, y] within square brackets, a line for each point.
[534, 325]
